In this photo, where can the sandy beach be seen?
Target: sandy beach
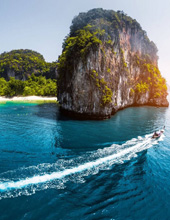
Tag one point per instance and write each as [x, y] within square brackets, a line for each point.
[27, 98]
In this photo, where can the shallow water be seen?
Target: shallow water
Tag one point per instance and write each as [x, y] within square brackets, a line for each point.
[53, 167]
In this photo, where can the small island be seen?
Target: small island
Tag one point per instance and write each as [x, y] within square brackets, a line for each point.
[108, 63]
[25, 76]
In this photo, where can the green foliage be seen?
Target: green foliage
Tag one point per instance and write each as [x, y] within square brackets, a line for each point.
[109, 42]
[114, 52]
[3, 85]
[121, 51]
[136, 60]
[25, 62]
[102, 81]
[150, 68]
[160, 86]
[107, 96]
[155, 82]
[78, 46]
[124, 64]
[33, 86]
[132, 92]
[118, 19]
[102, 85]
[142, 87]
[155, 79]
[95, 73]
[108, 70]
[157, 95]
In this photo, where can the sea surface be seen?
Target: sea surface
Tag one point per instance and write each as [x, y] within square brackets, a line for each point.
[53, 167]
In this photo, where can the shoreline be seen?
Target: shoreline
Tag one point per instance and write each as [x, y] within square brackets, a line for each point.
[27, 99]
[84, 116]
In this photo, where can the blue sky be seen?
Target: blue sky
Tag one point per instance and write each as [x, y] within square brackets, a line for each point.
[41, 25]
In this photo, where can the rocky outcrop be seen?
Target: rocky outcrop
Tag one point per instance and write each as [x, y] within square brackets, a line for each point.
[108, 63]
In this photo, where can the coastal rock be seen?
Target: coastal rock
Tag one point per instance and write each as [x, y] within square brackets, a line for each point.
[108, 63]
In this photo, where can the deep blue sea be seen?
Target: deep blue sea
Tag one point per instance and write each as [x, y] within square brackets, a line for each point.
[53, 167]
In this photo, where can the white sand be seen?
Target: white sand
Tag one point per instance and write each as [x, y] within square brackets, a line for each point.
[27, 98]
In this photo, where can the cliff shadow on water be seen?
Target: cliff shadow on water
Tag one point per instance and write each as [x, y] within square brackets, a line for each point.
[82, 135]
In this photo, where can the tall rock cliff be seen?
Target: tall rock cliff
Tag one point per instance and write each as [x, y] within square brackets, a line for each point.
[108, 63]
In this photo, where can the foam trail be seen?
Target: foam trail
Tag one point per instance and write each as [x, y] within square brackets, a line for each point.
[146, 143]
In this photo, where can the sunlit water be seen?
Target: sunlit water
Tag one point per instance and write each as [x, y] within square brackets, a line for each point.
[52, 167]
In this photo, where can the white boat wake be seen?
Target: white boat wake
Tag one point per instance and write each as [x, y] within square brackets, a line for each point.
[45, 176]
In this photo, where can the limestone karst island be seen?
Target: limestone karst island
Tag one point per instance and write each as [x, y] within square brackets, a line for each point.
[108, 63]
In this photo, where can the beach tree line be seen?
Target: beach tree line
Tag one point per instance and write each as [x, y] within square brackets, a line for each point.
[34, 85]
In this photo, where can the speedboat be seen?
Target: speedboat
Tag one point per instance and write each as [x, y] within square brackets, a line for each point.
[158, 134]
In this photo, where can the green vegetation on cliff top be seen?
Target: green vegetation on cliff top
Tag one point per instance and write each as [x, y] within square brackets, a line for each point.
[78, 47]
[112, 23]
[94, 28]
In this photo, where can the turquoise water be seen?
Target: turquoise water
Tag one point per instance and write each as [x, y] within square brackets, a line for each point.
[53, 167]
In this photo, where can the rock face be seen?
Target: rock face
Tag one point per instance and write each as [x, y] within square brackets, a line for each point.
[108, 63]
